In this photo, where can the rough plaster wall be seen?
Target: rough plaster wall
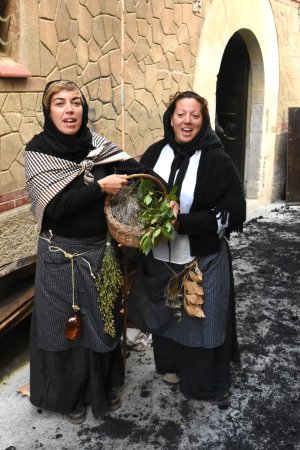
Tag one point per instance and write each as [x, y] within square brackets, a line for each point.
[17, 237]
[287, 23]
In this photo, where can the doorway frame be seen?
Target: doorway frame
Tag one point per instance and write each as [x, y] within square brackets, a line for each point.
[261, 42]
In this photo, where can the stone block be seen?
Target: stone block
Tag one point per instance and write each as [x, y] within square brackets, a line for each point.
[105, 89]
[29, 102]
[11, 145]
[139, 80]
[90, 73]
[143, 27]
[94, 51]
[157, 32]
[74, 33]
[183, 35]
[128, 47]
[109, 112]
[82, 53]
[85, 21]
[115, 65]
[2, 99]
[48, 62]
[13, 120]
[47, 10]
[69, 73]
[66, 54]
[104, 65]
[94, 7]
[62, 22]
[142, 9]
[110, 45]
[141, 49]
[156, 53]
[95, 110]
[12, 103]
[30, 126]
[150, 78]
[98, 31]
[72, 8]
[157, 8]
[18, 174]
[4, 126]
[48, 35]
[166, 20]
[108, 26]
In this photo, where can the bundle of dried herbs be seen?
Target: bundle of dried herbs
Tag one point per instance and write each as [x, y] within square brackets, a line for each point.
[155, 215]
[109, 282]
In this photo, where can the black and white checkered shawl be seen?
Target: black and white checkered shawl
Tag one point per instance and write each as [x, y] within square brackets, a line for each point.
[47, 175]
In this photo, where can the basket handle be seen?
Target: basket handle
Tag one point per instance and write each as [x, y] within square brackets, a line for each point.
[149, 177]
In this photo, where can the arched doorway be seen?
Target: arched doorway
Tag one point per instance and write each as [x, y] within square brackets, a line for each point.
[231, 17]
[231, 100]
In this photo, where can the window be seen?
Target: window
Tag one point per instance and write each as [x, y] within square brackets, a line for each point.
[9, 41]
[9, 32]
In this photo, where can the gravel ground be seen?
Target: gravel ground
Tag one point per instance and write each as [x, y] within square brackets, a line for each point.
[264, 411]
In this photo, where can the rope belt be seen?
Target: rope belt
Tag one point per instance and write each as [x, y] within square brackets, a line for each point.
[71, 257]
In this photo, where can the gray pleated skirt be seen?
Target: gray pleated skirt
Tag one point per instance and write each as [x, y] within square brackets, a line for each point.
[199, 351]
[65, 374]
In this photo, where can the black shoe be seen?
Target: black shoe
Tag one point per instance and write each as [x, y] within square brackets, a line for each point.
[223, 402]
[77, 417]
[113, 400]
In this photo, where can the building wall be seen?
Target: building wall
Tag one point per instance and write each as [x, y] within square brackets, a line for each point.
[287, 19]
[128, 63]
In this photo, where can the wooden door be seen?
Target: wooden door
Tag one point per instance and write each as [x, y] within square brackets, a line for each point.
[232, 95]
[293, 158]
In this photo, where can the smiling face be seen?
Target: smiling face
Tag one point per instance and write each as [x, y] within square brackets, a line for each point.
[66, 111]
[186, 119]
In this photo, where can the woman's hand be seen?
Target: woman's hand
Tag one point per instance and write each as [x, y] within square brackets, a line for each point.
[175, 206]
[112, 183]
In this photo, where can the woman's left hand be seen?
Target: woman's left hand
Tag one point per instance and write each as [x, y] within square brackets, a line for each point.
[175, 206]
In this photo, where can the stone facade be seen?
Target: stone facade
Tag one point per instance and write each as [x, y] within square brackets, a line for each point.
[129, 57]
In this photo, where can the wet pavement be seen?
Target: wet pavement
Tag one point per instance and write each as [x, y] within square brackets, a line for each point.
[264, 411]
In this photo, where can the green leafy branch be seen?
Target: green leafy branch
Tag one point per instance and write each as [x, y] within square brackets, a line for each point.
[156, 216]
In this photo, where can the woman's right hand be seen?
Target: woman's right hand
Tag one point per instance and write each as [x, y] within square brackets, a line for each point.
[112, 183]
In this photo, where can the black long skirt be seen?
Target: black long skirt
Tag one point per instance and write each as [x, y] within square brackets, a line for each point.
[62, 381]
[204, 373]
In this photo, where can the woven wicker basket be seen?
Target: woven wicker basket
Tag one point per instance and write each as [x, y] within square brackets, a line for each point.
[128, 236]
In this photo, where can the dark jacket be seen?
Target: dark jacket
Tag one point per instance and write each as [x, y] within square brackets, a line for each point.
[218, 187]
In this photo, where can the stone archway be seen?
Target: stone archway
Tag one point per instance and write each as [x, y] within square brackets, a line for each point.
[222, 20]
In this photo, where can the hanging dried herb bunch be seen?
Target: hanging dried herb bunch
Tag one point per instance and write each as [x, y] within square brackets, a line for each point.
[109, 282]
[185, 290]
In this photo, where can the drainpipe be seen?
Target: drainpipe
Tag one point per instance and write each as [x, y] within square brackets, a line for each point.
[122, 73]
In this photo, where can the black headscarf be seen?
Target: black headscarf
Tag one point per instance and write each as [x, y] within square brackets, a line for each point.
[52, 141]
[206, 139]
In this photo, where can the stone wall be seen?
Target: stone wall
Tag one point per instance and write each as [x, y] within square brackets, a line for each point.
[82, 41]
[127, 62]
[287, 19]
